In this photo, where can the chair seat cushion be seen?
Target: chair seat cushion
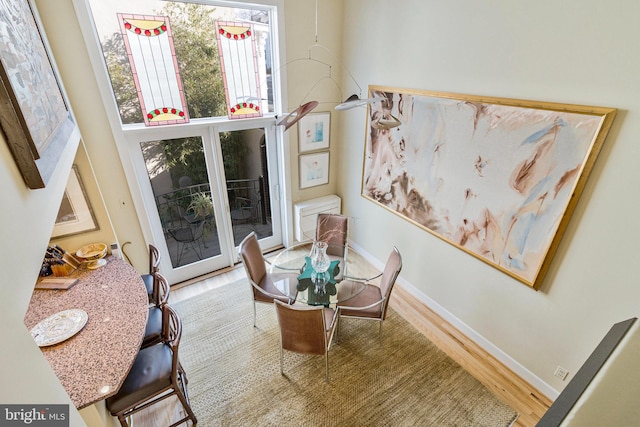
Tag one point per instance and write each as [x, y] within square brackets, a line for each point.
[148, 283]
[268, 286]
[153, 330]
[370, 295]
[149, 375]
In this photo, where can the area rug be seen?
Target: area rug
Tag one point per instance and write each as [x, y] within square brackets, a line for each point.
[234, 373]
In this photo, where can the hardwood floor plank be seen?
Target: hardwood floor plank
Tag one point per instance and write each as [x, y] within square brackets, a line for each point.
[504, 383]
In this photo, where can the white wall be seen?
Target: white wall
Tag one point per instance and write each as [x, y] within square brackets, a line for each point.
[27, 218]
[579, 52]
[68, 45]
[309, 80]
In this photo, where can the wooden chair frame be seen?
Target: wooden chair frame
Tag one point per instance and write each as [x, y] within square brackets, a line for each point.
[172, 333]
[161, 290]
[154, 266]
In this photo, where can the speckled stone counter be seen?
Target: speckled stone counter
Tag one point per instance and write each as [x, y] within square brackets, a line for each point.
[92, 364]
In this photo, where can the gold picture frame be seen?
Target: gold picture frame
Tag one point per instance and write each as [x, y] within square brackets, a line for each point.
[313, 132]
[497, 178]
[76, 214]
[314, 169]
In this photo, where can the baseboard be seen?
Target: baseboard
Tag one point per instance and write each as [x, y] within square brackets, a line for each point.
[481, 341]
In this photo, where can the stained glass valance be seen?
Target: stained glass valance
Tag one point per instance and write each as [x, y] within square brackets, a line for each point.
[238, 59]
[152, 57]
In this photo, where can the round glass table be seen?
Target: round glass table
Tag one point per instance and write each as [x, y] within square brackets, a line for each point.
[292, 274]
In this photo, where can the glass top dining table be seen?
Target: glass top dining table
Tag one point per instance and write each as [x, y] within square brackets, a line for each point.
[293, 275]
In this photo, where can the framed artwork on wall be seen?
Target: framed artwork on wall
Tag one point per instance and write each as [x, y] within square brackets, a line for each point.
[314, 169]
[76, 214]
[33, 113]
[497, 178]
[313, 132]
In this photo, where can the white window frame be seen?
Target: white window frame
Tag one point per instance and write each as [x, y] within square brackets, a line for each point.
[128, 136]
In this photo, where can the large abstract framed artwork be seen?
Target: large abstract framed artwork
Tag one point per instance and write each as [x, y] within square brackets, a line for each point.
[497, 178]
[33, 113]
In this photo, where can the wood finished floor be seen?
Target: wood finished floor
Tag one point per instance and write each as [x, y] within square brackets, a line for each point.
[507, 386]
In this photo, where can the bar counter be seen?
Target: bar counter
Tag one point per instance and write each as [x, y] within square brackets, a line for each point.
[92, 364]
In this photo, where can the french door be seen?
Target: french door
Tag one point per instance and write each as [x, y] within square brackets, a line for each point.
[191, 97]
[223, 188]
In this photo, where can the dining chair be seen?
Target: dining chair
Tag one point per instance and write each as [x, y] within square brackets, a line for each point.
[372, 302]
[154, 265]
[244, 210]
[263, 289]
[188, 237]
[333, 229]
[153, 330]
[156, 374]
[306, 329]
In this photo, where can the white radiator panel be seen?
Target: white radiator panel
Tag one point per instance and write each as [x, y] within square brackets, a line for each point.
[306, 214]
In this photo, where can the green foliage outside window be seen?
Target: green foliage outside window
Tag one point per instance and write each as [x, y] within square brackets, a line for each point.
[197, 55]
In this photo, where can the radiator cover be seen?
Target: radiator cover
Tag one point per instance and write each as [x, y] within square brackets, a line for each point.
[306, 214]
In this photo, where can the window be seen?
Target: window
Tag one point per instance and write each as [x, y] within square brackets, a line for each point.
[191, 82]
[178, 60]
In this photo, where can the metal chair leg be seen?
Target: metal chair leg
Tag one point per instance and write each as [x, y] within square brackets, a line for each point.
[254, 313]
[281, 361]
[326, 366]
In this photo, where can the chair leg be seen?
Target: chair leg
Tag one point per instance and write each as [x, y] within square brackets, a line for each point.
[380, 333]
[123, 421]
[254, 313]
[181, 392]
[180, 251]
[183, 374]
[281, 361]
[326, 366]
[195, 246]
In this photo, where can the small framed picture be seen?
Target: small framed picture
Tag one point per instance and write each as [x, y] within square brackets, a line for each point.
[75, 214]
[313, 132]
[314, 169]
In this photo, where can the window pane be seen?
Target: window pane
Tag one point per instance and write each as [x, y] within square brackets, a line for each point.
[152, 59]
[245, 166]
[178, 176]
[196, 49]
[237, 49]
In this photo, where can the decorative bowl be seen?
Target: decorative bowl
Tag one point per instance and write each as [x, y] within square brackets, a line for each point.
[92, 252]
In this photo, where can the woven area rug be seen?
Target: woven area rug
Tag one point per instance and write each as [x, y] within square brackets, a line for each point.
[234, 373]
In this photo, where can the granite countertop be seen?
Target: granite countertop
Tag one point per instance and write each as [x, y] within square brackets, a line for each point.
[92, 364]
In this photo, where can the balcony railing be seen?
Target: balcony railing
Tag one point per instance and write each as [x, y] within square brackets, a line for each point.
[249, 211]
[173, 207]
